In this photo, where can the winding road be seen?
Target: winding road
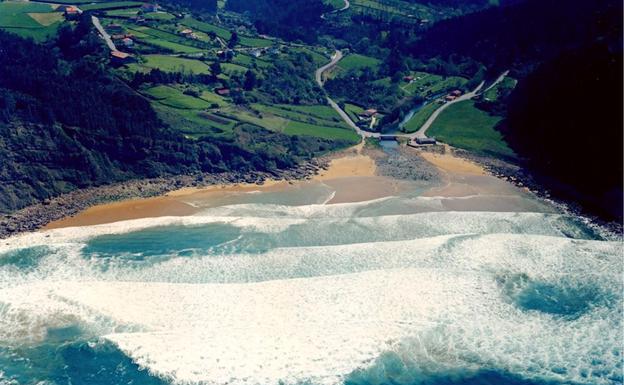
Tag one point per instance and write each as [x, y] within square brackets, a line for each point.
[346, 6]
[421, 133]
[467, 96]
[319, 80]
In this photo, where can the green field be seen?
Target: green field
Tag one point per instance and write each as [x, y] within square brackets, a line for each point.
[255, 42]
[420, 117]
[173, 97]
[300, 128]
[206, 27]
[353, 111]
[357, 62]
[463, 125]
[249, 61]
[318, 58]
[35, 20]
[426, 84]
[162, 39]
[299, 116]
[159, 16]
[321, 112]
[171, 64]
[110, 4]
[286, 123]
[128, 12]
[229, 68]
[503, 87]
[337, 4]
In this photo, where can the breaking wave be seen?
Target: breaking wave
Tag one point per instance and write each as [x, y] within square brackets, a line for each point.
[318, 294]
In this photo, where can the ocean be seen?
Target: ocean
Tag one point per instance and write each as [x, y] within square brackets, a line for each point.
[282, 288]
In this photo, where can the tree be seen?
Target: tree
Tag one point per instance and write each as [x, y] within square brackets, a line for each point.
[215, 69]
[234, 40]
[250, 80]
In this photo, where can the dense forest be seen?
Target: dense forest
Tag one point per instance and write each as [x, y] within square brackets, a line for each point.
[67, 123]
[518, 36]
[566, 120]
[288, 19]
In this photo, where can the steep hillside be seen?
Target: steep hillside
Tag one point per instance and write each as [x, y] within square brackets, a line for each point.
[66, 122]
[566, 120]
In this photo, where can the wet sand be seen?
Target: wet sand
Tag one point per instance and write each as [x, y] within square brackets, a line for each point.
[353, 177]
[352, 174]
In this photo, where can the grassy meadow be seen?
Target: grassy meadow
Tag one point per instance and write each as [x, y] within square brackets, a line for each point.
[463, 125]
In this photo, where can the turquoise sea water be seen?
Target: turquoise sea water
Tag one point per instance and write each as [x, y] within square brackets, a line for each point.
[279, 288]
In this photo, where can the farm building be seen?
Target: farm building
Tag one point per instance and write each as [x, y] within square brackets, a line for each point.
[223, 91]
[70, 11]
[189, 34]
[256, 52]
[408, 79]
[450, 98]
[426, 141]
[126, 41]
[368, 114]
[119, 58]
[456, 93]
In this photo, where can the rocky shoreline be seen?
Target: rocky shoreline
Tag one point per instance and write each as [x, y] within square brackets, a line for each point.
[34, 217]
[524, 179]
[406, 165]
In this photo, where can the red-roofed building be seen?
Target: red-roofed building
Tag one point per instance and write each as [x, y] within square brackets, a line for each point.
[223, 91]
[118, 57]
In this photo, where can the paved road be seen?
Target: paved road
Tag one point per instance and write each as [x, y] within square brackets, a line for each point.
[105, 36]
[346, 6]
[421, 133]
[498, 80]
[319, 80]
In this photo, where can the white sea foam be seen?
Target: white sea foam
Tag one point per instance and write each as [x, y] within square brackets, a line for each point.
[317, 218]
[428, 286]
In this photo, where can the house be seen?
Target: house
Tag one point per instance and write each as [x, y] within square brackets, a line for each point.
[368, 114]
[223, 91]
[426, 141]
[147, 7]
[450, 98]
[119, 58]
[256, 52]
[70, 12]
[186, 32]
[456, 93]
[126, 41]
[408, 79]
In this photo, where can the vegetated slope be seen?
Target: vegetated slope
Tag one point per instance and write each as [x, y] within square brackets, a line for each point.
[566, 119]
[521, 35]
[67, 123]
[288, 19]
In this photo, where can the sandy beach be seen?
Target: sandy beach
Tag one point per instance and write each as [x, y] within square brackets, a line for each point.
[352, 174]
